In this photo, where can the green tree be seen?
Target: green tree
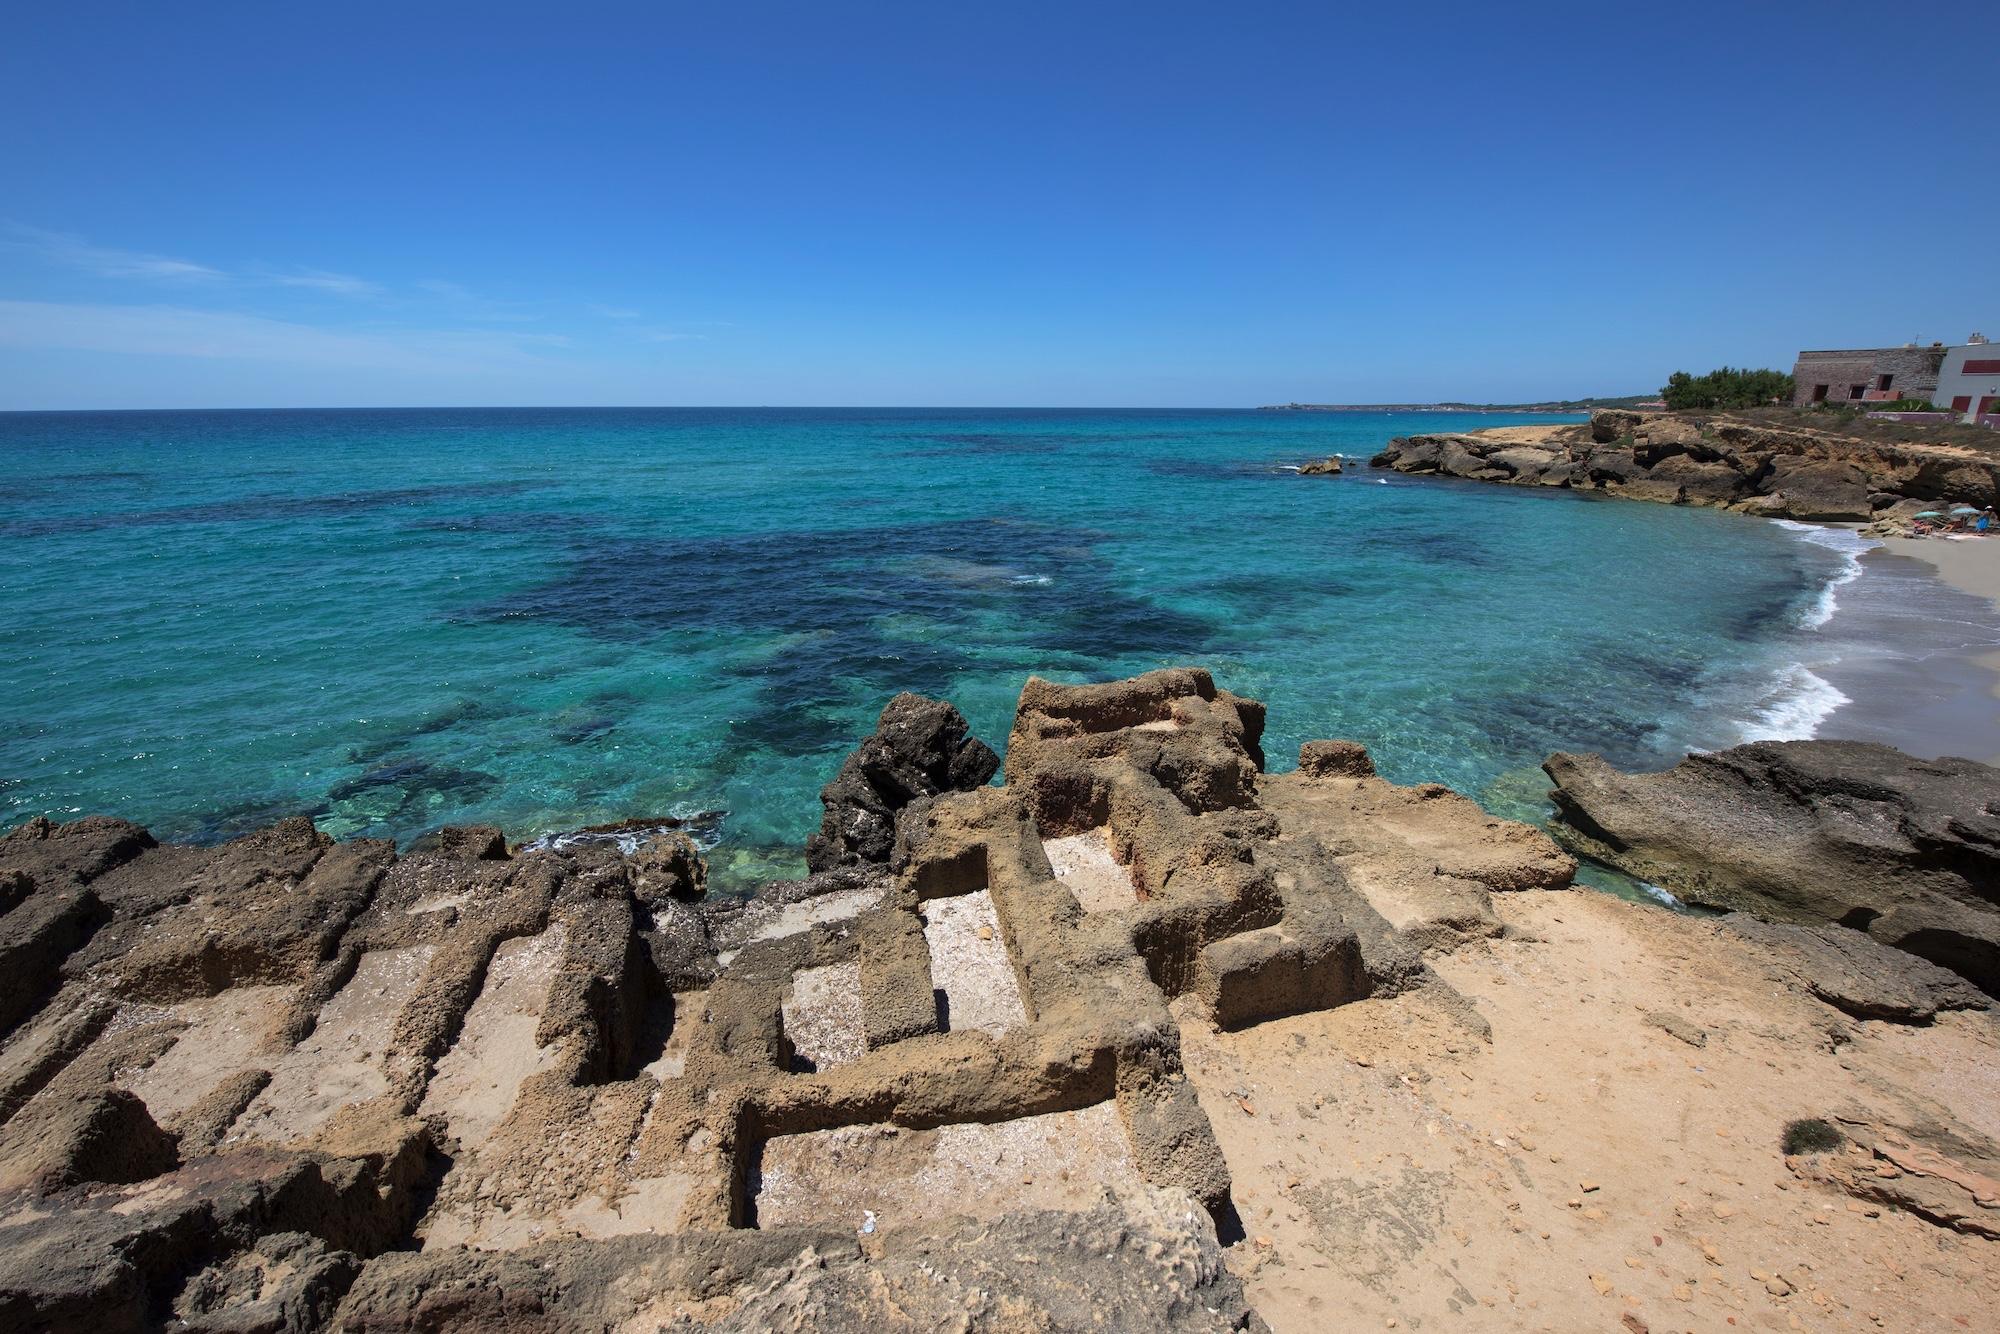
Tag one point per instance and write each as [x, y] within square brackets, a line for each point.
[1726, 387]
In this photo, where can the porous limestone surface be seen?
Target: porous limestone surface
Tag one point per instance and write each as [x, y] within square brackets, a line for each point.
[823, 1016]
[475, 1082]
[794, 918]
[342, 1061]
[672, 1060]
[225, 1034]
[1059, 1160]
[1086, 868]
[969, 964]
[546, 1099]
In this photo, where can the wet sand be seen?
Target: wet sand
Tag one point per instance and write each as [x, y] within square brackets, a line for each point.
[1915, 646]
[1971, 564]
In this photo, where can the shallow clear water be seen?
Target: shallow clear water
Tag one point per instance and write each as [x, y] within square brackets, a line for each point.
[550, 618]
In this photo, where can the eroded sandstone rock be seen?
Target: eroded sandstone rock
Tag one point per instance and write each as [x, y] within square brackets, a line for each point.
[1812, 832]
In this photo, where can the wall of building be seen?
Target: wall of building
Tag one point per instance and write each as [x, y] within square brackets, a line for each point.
[1972, 374]
[1912, 373]
[1836, 371]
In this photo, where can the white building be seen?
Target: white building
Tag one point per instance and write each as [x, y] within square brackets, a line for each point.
[1969, 380]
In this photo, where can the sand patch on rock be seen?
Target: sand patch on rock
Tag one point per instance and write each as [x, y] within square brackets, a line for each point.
[225, 1034]
[341, 1062]
[1061, 1160]
[475, 1083]
[969, 964]
[1086, 868]
[1586, 1164]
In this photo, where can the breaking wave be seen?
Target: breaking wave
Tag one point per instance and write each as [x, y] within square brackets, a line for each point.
[1850, 545]
[1797, 704]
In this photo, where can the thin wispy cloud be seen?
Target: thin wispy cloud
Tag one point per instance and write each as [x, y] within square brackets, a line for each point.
[67, 250]
[468, 304]
[419, 325]
[177, 331]
[335, 284]
[74, 252]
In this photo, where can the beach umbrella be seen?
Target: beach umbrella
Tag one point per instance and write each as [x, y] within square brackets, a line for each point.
[1930, 514]
[1963, 509]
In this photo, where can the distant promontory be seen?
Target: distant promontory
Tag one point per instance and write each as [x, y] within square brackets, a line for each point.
[1552, 405]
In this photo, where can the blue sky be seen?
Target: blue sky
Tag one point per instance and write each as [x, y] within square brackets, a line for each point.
[236, 204]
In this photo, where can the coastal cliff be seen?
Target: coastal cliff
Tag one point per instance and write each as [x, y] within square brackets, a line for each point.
[1145, 1036]
[1773, 470]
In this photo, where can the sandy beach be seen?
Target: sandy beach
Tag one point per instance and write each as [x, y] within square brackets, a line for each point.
[1968, 563]
[1971, 565]
[1914, 645]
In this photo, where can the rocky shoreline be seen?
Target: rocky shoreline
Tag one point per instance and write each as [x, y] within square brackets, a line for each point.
[1143, 1036]
[1826, 833]
[1752, 467]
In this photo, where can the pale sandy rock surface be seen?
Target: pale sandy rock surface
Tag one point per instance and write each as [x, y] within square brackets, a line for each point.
[1589, 1162]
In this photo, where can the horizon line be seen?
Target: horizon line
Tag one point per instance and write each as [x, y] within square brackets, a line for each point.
[789, 407]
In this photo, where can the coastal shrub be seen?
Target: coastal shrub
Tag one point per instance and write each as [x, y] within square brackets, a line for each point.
[1726, 387]
[1811, 1135]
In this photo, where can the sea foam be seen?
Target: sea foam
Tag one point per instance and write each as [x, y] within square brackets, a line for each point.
[1850, 545]
[1793, 709]
[1798, 700]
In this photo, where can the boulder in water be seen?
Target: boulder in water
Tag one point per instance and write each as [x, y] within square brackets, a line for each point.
[920, 747]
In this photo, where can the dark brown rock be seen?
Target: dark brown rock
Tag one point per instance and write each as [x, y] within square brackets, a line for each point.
[104, 1135]
[1412, 454]
[1858, 975]
[52, 855]
[268, 908]
[1758, 468]
[473, 842]
[920, 748]
[1816, 489]
[670, 867]
[1700, 483]
[35, 939]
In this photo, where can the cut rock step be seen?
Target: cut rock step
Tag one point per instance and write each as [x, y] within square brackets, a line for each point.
[1086, 868]
[341, 1062]
[1060, 1160]
[972, 969]
[476, 1082]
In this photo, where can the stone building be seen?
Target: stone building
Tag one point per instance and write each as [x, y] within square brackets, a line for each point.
[1866, 375]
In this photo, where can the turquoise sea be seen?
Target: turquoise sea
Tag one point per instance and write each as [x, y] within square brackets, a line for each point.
[546, 619]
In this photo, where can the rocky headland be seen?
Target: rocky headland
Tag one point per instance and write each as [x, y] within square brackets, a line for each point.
[1775, 470]
[1144, 1036]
